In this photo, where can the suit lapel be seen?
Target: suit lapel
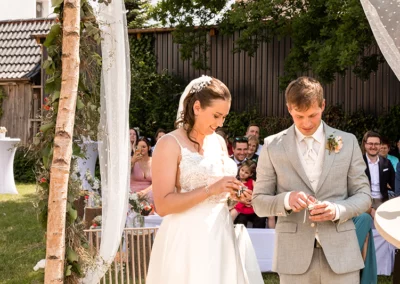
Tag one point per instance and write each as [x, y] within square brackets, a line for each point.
[329, 158]
[290, 145]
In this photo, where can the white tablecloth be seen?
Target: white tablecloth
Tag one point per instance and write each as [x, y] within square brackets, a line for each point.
[263, 242]
[7, 152]
[88, 163]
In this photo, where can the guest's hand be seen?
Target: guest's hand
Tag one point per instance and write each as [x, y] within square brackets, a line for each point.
[324, 211]
[136, 157]
[298, 200]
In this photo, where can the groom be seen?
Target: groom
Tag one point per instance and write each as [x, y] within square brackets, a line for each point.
[312, 165]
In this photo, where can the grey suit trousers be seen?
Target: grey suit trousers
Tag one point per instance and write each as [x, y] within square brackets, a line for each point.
[320, 272]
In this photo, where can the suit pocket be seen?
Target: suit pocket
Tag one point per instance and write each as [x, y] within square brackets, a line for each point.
[286, 227]
[347, 226]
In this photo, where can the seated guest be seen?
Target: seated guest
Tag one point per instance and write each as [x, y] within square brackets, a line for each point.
[397, 181]
[222, 132]
[141, 169]
[254, 129]
[379, 170]
[384, 152]
[369, 273]
[240, 146]
[396, 151]
[133, 136]
[242, 213]
[159, 133]
[253, 146]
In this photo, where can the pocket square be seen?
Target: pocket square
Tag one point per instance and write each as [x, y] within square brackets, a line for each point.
[385, 169]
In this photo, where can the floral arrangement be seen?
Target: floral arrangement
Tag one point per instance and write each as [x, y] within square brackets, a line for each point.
[94, 182]
[334, 144]
[3, 129]
[140, 204]
[96, 222]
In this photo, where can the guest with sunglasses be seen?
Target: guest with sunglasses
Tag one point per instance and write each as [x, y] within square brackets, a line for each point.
[240, 147]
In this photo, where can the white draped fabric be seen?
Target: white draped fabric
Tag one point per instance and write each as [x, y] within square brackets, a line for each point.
[384, 19]
[113, 135]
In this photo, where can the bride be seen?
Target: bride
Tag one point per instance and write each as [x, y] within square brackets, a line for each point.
[192, 179]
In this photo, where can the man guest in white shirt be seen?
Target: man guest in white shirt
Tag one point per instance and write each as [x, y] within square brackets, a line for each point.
[313, 178]
[240, 146]
[379, 171]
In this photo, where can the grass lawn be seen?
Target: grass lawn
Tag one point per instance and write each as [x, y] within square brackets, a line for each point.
[22, 244]
[21, 237]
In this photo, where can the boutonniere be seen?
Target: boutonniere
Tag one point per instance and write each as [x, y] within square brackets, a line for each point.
[334, 144]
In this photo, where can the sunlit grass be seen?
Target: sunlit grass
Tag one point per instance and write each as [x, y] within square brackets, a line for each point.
[22, 244]
[21, 237]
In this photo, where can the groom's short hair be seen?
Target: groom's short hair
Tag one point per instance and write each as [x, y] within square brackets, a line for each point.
[303, 92]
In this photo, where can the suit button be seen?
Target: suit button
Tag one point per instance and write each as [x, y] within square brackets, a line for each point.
[313, 225]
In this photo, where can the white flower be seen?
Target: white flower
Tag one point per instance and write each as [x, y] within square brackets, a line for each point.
[133, 196]
[3, 129]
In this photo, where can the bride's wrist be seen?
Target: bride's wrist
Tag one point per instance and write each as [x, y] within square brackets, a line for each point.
[209, 190]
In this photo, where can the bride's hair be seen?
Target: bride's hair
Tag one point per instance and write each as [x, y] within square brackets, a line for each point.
[205, 93]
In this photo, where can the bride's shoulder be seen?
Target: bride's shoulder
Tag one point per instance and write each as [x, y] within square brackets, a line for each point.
[169, 141]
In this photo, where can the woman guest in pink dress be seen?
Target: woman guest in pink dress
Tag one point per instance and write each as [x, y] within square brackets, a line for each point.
[141, 169]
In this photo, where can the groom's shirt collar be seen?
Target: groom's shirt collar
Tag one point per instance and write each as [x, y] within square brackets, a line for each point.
[318, 134]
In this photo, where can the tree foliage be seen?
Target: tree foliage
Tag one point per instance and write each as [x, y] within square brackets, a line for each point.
[328, 36]
[154, 96]
[138, 13]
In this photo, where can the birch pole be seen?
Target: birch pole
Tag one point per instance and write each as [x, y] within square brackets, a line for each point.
[59, 171]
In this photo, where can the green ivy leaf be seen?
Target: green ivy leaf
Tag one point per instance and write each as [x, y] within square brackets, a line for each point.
[68, 271]
[47, 126]
[73, 214]
[54, 32]
[56, 3]
[79, 104]
[36, 140]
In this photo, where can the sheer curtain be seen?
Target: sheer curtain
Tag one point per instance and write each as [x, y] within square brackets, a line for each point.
[384, 19]
[113, 133]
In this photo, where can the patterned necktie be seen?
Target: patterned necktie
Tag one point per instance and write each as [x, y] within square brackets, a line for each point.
[310, 156]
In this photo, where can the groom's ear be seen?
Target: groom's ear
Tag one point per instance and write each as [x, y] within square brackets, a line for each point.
[289, 107]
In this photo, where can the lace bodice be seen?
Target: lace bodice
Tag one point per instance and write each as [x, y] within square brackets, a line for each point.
[199, 170]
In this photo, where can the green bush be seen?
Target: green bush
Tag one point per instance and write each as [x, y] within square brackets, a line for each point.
[357, 123]
[154, 97]
[24, 166]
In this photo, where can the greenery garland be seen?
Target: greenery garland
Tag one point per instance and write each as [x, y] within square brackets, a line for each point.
[86, 122]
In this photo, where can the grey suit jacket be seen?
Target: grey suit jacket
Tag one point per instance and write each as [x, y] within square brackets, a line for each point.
[342, 181]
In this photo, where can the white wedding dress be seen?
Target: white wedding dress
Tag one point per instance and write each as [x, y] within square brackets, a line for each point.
[199, 246]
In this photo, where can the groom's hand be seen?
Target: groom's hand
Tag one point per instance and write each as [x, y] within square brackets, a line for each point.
[324, 211]
[297, 201]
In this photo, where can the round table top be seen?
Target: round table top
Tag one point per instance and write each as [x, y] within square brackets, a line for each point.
[9, 139]
[387, 221]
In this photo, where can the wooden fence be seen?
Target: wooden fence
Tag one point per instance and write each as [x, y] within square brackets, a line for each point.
[131, 262]
[253, 81]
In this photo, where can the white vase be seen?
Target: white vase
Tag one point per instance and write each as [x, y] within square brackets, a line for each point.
[2, 135]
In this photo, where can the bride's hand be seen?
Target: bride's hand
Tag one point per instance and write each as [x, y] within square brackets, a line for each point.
[225, 184]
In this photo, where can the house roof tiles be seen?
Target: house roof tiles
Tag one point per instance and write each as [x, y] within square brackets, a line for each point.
[19, 52]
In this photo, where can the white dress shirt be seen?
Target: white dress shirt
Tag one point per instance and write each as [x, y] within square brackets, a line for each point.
[318, 147]
[374, 172]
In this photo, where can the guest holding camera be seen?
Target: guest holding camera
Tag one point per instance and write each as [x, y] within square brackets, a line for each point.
[141, 178]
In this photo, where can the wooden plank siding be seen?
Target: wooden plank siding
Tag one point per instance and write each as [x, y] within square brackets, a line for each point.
[19, 107]
[253, 81]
